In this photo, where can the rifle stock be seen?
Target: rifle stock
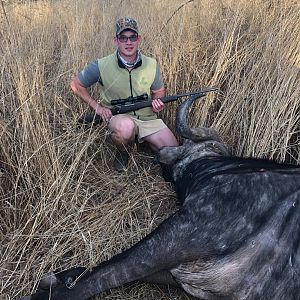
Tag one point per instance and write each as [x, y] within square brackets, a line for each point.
[122, 109]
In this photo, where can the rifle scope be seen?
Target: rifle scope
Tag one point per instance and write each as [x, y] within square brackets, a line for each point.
[130, 100]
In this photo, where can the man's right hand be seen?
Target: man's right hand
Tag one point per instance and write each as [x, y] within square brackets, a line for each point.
[83, 93]
[104, 113]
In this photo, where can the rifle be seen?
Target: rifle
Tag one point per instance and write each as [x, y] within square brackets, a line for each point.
[122, 106]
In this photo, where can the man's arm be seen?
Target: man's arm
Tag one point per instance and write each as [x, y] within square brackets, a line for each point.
[82, 92]
[158, 91]
[157, 104]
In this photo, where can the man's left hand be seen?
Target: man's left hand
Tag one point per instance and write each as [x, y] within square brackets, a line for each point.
[157, 105]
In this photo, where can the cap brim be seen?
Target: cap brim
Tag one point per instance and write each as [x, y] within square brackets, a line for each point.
[126, 28]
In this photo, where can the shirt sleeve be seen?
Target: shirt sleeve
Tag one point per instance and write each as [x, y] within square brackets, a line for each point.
[158, 81]
[90, 74]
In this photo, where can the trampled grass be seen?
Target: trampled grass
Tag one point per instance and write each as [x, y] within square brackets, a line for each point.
[61, 204]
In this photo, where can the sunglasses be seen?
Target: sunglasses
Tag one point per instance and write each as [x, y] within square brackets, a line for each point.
[124, 38]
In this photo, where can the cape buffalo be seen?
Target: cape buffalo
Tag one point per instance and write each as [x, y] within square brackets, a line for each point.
[235, 236]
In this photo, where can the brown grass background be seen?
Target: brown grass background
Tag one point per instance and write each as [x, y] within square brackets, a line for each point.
[61, 205]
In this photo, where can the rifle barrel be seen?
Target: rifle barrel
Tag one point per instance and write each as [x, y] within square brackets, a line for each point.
[122, 109]
[138, 105]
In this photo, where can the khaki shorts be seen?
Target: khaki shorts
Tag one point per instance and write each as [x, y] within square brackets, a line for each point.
[146, 128]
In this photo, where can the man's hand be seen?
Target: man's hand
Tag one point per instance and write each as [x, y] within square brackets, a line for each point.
[157, 105]
[83, 93]
[104, 113]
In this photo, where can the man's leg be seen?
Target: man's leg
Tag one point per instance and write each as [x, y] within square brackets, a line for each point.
[123, 131]
[161, 138]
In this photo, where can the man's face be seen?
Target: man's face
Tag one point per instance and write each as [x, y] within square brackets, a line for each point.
[127, 42]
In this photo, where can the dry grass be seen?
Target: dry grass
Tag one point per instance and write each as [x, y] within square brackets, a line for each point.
[61, 205]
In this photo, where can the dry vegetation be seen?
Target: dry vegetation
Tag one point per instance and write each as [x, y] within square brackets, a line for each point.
[61, 204]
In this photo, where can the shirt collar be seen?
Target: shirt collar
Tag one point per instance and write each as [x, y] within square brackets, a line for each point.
[122, 63]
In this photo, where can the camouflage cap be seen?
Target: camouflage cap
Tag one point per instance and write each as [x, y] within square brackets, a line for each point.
[126, 23]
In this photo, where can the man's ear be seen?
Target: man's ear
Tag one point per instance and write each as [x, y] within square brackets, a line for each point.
[115, 41]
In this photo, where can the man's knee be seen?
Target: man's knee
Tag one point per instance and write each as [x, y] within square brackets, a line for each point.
[123, 128]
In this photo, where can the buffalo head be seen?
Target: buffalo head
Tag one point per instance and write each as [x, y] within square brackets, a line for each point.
[198, 142]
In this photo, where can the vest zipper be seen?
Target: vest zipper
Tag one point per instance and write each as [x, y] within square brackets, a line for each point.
[130, 84]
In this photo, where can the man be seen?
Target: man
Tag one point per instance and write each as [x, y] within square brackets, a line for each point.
[122, 74]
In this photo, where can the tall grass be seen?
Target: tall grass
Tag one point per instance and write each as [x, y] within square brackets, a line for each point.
[61, 204]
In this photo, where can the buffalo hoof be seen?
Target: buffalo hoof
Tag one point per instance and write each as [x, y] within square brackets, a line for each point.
[52, 280]
[48, 280]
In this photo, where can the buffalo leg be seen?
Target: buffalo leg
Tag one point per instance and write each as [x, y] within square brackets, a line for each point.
[166, 247]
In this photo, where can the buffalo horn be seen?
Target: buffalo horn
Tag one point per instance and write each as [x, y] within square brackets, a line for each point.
[194, 134]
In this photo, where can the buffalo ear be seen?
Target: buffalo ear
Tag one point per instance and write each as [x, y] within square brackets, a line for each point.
[169, 155]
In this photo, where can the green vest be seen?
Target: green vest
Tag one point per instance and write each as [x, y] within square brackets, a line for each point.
[118, 82]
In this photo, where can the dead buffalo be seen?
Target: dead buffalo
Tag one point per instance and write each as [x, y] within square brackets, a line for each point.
[236, 235]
